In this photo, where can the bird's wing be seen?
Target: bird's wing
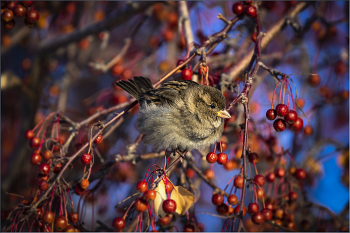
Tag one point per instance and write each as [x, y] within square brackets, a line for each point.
[168, 93]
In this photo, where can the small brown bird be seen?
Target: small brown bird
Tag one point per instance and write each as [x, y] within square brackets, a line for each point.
[180, 115]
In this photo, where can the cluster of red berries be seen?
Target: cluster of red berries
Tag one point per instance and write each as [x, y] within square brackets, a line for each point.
[60, 222]
[141, 204]
[246, 7]
[253, 208]
[290, 116]
[11, 8]
[221, 158]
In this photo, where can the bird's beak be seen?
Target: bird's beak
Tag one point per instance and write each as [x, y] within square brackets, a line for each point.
[223, 114]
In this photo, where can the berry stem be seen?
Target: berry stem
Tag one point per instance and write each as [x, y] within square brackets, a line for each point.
[256, 170]
[137, 222]
[279, 101]
[291, 94]
[284, 91]
[229, 182]
[68, 191]
[255, 195]
[148, 170]
[285, 81]
[141, 222]
[150, 216]
[273, 95]
[292, 159]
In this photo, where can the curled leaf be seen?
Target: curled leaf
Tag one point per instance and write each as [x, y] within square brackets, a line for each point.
[184, 199]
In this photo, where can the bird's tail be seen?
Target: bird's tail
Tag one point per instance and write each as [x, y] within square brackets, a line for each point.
[136, 87]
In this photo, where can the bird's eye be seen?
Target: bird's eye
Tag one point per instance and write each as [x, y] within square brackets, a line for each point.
[213, 105]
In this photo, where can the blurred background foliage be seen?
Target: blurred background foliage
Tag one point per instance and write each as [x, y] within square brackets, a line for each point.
[51, 67]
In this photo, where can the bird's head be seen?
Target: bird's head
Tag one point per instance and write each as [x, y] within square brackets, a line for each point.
[209, 104]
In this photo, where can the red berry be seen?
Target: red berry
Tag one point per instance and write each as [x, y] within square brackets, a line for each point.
[291, 117]
[78, 190]
[141, 204]
[142, 186]
[222, 158]
[19, 10]
[209, 174]
[250, 11]
[232, 199]
[73, 217]
[212, 157]
[35, 159]
[84, 184]
[32, 16]
[168, 187]
[298, 124]
[238, 8]
[280, 172]
[44, 169]
[217, 199]
[293, 196]
[43, 185]
[27, 3]
[29, 134]
[269, 206]
[238, 182]
[69, 228]
[221, 147]
[47, 154]
[258, 218]
[6, 15]
[236, 210]
[86, 158]
[253, 157]
[150, 195]
[279, 125]
[118, 223]
[48, 217]
[189, 228]
[186, 74]
[300, 174]
[222, 209]
[253, 208]
[308, 131]
[60, 223]
[271, 114]
[169, 206]
[270, 177]
[281, 110]
[9, 25]
[99, 139]
[57, 168]
[190, 173]
[179, 62]
[34, 142]
[165, 220]
[247, 2]
[260, 180]
[267, 214]
[43, 177]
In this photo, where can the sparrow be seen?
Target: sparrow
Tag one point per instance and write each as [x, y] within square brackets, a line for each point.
[181, 115]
